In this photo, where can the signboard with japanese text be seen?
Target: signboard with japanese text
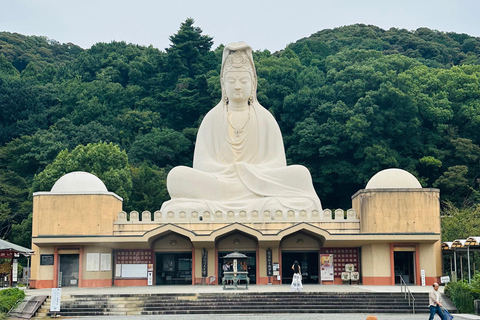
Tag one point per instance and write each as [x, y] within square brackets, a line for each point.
[56, 299]
[204, 263]
[46, 259]
[326, 265]
[269, 263]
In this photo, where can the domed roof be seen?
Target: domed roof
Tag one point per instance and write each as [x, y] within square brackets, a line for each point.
[79, 182]
[393, 179]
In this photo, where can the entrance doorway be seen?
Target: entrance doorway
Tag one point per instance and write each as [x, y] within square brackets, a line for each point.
[69, 266]
[173, 268]
[403, 262]
[308, 261]
[251, 265]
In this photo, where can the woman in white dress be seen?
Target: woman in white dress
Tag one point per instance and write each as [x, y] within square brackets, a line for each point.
[297, 278]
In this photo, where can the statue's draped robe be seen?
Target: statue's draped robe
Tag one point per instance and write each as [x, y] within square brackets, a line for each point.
[248, 172]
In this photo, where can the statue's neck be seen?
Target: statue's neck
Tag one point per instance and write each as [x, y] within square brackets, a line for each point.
[237, 106]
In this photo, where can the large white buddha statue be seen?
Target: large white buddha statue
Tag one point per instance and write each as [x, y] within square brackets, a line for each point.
[239, 161]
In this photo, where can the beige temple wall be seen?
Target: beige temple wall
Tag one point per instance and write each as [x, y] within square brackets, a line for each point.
[375, 264]
[89, 214]
[42, 276]
[380, 212]
[211, 267]
[172, 243]
[91, 275]
[300, 241]
[431, 261]
[238, 241]
[127, 228]
[398, 210]
[262, 255]
[390, 211]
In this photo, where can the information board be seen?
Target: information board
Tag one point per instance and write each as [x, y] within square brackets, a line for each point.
[326, 265]
[269, 262]
[56, 299]
[93, 261]
[46, 259]
[134, 270]
[105, 262]
[204, 263]
[15, 270]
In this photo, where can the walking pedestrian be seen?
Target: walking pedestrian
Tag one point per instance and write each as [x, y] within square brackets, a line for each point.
[226, 268]
[435, 304]
[297, 278]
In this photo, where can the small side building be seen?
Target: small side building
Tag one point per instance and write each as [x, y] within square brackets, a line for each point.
[83, 238]
[67, 221]
[394, 205]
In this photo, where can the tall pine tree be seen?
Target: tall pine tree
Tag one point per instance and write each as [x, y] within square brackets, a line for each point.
[189, 51]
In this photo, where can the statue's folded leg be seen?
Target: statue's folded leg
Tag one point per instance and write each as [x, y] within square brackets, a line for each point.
[185, 182]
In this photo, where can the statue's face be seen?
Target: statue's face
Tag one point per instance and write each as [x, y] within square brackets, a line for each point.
[238, 85]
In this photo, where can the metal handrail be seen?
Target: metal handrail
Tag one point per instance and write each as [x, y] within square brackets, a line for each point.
[404, 284]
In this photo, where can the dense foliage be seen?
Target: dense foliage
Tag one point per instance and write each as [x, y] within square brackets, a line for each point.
[350, 101]
[9, 298]
[463, 294]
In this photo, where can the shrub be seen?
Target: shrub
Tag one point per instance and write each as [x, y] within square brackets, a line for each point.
[9, 298]
[462, 294]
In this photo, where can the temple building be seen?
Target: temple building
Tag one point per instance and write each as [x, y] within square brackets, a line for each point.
[240, 194]
[82, 237]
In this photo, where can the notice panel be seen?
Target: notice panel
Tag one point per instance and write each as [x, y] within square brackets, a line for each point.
[326, 265]
[134, 270]
[93, 261]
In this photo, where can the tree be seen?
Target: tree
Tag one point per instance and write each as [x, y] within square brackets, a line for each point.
[28, 155]
[14, 203]
[459, 223]
[22, 232]
[455, 184]
[149, 188]
[6, 67]
[23, 105]
[105, 160]
[162, 148]
[189, 51]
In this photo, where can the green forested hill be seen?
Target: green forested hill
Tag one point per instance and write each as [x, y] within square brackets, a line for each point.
[432, 48]
[20, 50]
[350, 101]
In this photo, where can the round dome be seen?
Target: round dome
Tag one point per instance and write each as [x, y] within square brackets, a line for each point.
[393, 179]
[79, 182]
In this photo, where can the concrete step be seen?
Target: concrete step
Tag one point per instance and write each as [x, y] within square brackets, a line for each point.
[229, 303]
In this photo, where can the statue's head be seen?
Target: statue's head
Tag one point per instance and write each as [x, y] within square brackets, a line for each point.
[237, 63]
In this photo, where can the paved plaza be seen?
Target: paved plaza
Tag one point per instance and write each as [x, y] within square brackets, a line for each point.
[219, 289]
[289, 316]
[311, 316]
[254, 288]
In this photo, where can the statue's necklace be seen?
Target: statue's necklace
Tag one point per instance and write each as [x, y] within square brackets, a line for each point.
[237, 131]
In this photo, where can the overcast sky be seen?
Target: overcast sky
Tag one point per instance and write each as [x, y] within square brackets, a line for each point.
[268, 24]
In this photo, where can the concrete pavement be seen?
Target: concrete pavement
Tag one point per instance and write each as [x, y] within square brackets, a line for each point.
[67, 291]
[219, 289]
[281, 316]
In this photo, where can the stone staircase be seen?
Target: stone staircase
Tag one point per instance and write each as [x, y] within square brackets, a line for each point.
[235, 303]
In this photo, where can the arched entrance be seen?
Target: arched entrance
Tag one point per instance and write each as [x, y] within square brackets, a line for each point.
[245, 244]
[173, 259]
[304, 248]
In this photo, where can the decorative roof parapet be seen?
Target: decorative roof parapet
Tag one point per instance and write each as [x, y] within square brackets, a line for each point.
[232, 216]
